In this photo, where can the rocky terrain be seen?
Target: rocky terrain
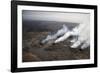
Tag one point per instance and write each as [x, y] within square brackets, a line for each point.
[33, 51]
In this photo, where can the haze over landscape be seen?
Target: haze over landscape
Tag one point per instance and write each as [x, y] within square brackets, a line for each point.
[38, 24]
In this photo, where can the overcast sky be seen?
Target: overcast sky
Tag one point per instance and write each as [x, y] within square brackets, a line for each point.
[56, 16]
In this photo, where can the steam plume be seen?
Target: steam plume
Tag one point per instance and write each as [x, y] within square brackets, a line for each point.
[81, 32]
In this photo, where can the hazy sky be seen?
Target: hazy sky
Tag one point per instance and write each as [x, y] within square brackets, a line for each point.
[56, 16]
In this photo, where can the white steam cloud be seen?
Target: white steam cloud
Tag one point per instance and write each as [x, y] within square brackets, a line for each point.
[60, 32]
[81, 32]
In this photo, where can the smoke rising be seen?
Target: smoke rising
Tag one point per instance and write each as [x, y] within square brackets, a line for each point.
[53, 37]
[80, 37]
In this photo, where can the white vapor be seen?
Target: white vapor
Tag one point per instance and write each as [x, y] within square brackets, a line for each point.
[84, 37]
[60, 32]
[81, 32]
[73, 32]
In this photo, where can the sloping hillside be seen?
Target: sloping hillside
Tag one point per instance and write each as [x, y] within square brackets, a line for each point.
[34, 51]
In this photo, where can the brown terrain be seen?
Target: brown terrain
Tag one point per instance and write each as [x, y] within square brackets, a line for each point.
[34, 51]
